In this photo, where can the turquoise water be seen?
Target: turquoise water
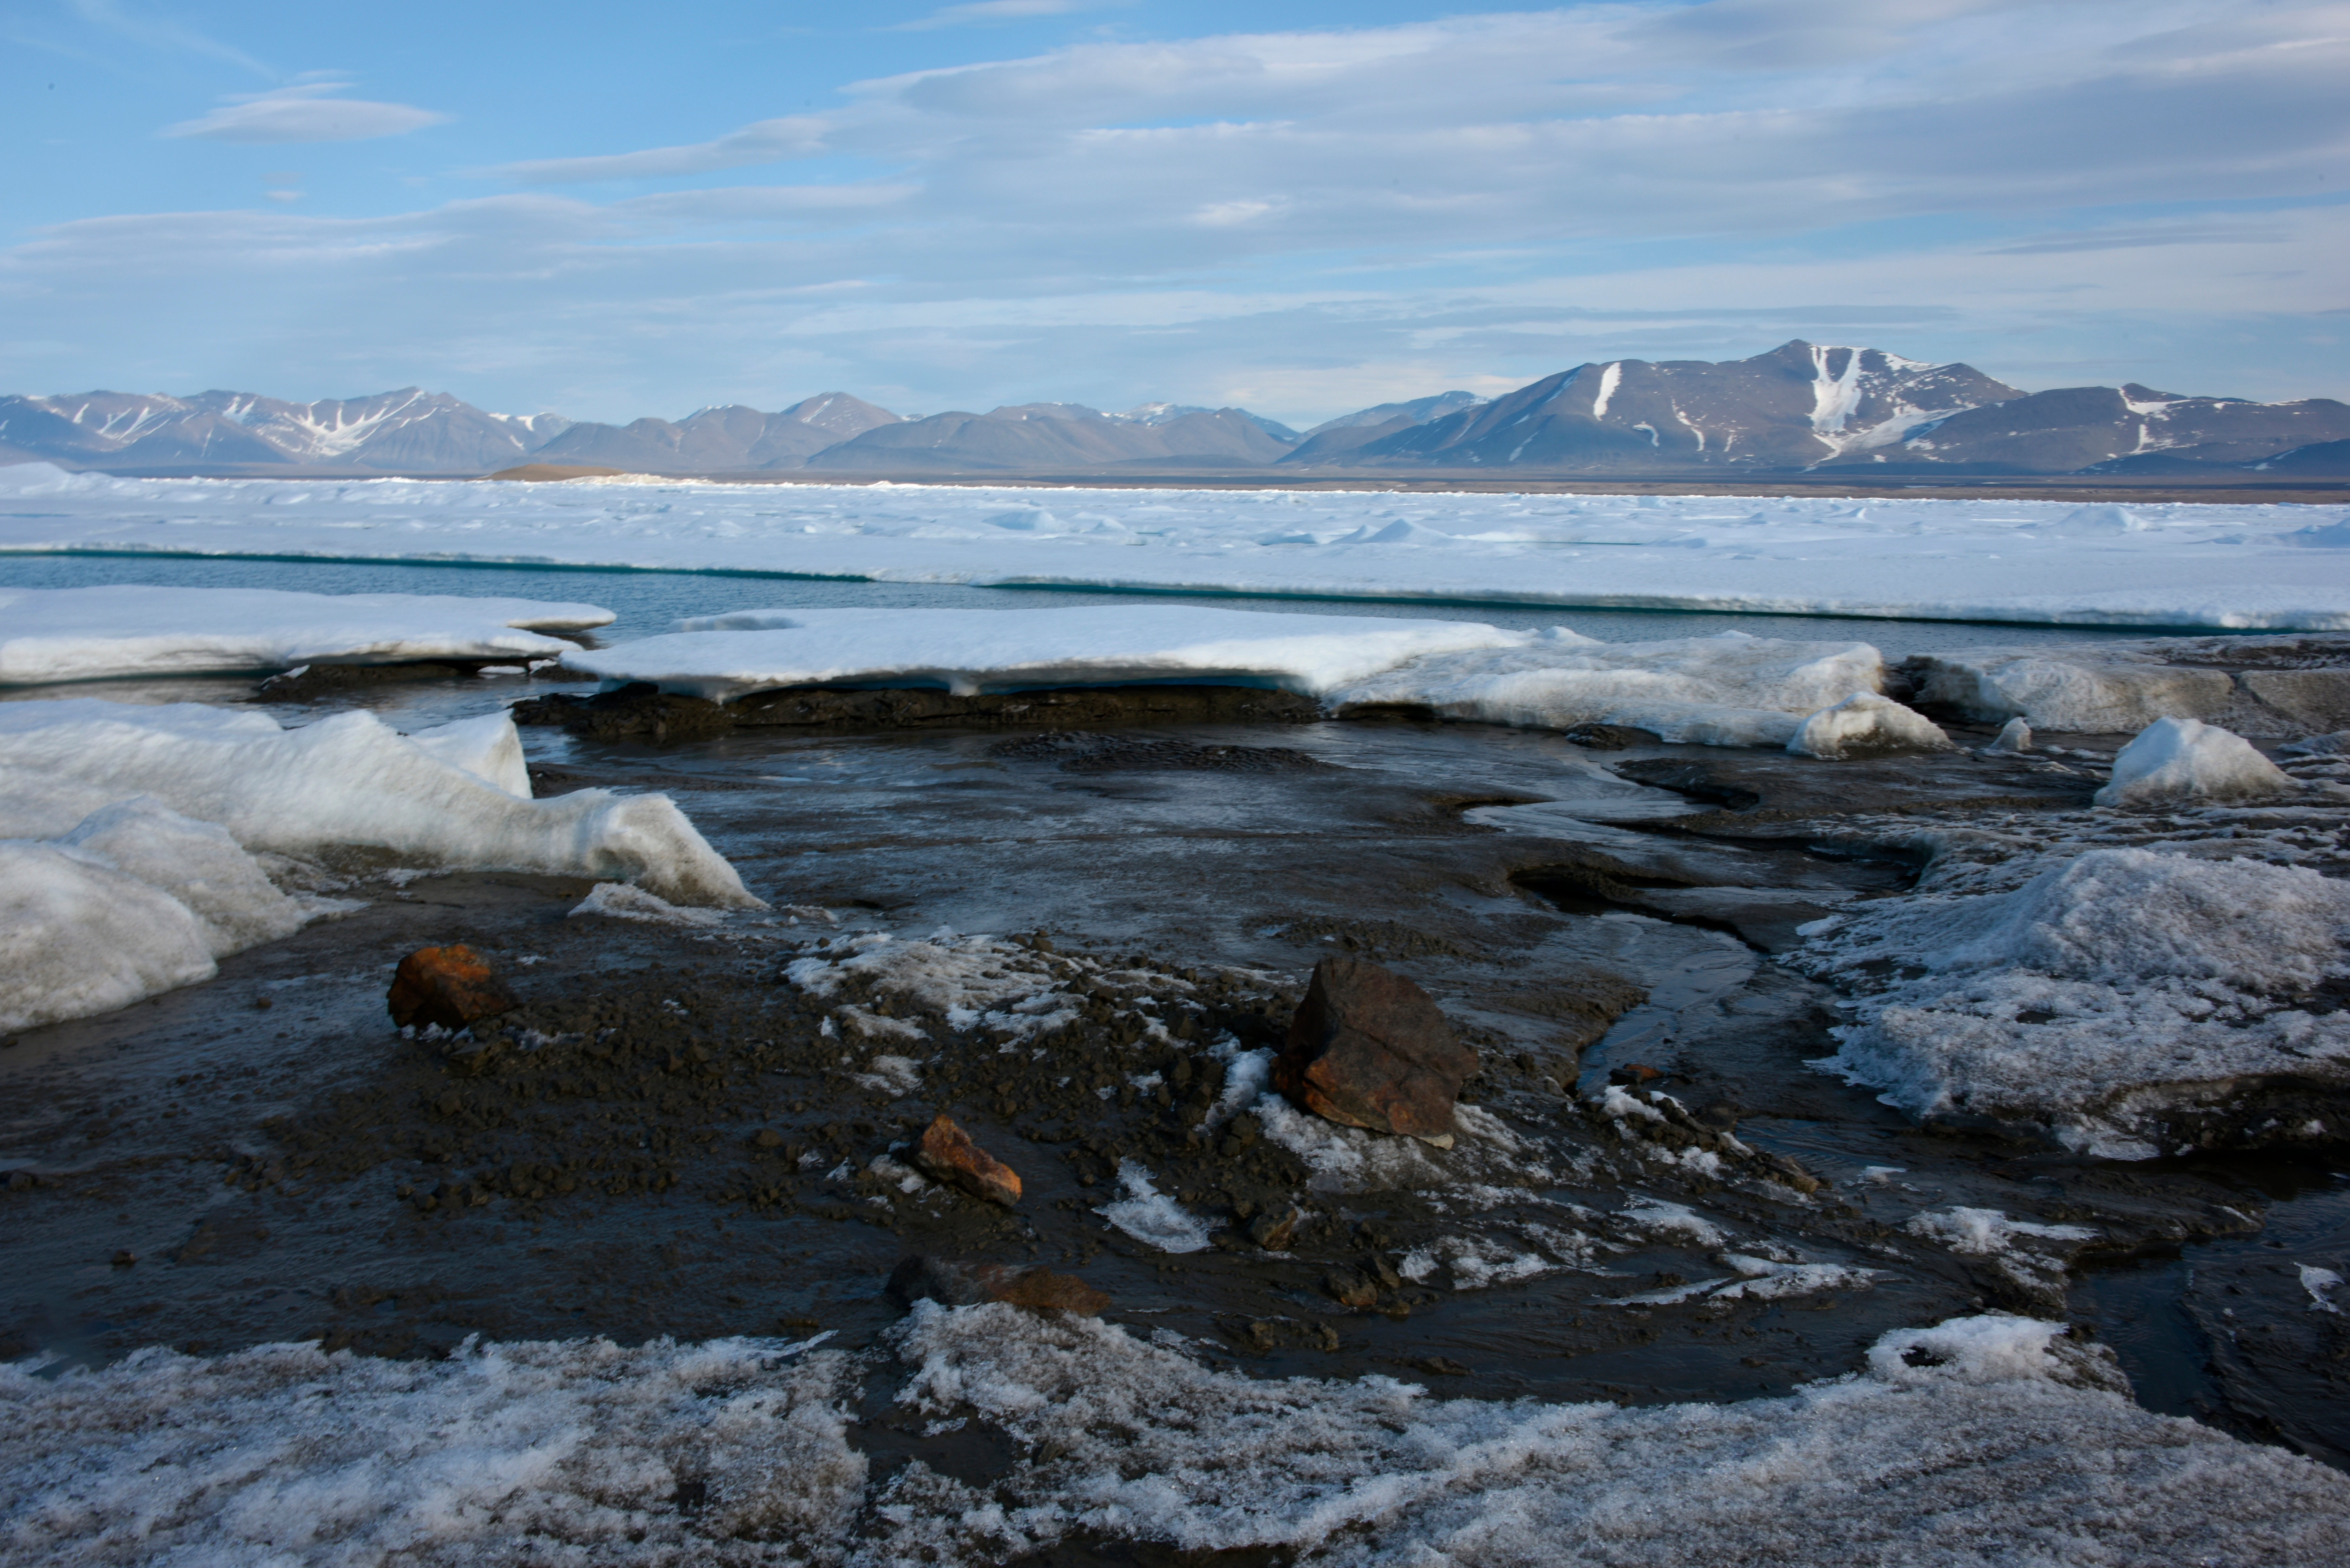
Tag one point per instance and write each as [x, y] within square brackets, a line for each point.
[647, 602]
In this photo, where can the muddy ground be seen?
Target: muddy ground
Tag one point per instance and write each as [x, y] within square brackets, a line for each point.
[672, 1135]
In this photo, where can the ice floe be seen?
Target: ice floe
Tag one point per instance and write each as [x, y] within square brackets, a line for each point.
[2175, 760]
[1865, 724]
[88, 634]
[2091, 991]
[2218, 567]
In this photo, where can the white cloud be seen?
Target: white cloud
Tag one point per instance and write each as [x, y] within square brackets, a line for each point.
[1400, 209]
[768, 141]
[306, 112]
[982, 12]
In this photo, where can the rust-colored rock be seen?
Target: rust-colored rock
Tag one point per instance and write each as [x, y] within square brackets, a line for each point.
[947, 1153]
[1368, 1049]
[968, 1284]
[450, 986]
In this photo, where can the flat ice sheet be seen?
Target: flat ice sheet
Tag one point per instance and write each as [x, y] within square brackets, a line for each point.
[2032, 561]
[968, 651]
[94, 634]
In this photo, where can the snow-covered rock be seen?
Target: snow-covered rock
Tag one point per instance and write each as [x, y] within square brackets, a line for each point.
[1867, 724]
[90, 634]
[133, 900]
[2186, 759]
[346, 781]
[967, 651]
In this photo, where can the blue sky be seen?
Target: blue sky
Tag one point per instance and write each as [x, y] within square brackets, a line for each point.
[1304, 208]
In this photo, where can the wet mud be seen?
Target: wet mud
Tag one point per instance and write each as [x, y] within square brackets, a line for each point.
[704, 1131]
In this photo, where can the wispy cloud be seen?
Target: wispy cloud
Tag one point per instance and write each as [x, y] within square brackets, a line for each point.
[160, 33]
[306, 112]
[768, 141]
[985, 13]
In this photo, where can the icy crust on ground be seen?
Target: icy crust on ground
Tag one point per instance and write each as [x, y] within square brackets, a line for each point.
[349, 780]
[133, 900]
[90, 634]
[1731, 690]
[2154, 565]
[1979, 1441]
[521, 1454]
[2087, 990]
[1727, 690]
[2185, 758]
[971, 651]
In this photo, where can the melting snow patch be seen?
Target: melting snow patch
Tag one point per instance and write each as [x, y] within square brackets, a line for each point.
[2319, 1282]
[1655, 1217]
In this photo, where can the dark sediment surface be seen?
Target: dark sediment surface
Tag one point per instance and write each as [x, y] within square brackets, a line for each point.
[674, 1136]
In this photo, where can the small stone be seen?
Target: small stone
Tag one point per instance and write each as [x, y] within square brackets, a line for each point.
[1349, 1289]
[1633, 1075]
[1721, 1116]
[768, 1137]
[263, 1003]
[1440, 1367]
[947, 1153]
[1272, 1231]
[125, 1258]
[1367, 1048]
[448, 986]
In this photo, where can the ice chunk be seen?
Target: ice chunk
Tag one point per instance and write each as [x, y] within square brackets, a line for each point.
[345, 781]
[2014, 738]
[489, 748]
[1151, 1217]
[2186, 759]
[133, 901]
[2091, 691]
[969, 651]
[622, 901]
[1865, 724]
[1732, 690]
[90, 634]
[2109, 984]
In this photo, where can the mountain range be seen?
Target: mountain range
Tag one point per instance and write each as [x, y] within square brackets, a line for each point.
[1801, 407]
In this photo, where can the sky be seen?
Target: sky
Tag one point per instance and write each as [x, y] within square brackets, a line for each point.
[1297, 207]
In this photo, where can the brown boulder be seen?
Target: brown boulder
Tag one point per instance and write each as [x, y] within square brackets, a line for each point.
[947, 1153]
[450, 986]
[1367, 1048]
[968, 1284]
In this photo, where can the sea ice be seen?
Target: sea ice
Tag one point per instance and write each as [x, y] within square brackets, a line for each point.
[968, 651]
[346, 780]
[2179, 565]
[1865, 724]
[90, 634]
[1726, 691]
[134, 900]
[2175, 760]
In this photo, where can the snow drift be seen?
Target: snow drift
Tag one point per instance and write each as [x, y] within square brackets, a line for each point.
[90, 634]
